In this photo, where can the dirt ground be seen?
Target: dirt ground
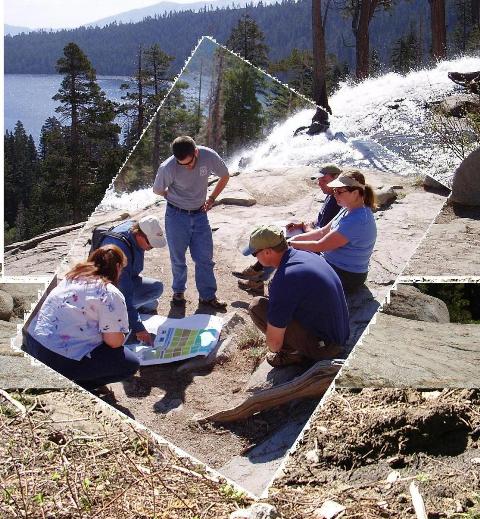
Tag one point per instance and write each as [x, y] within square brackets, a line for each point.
[170, 403]
[358, 439]
[65, 455]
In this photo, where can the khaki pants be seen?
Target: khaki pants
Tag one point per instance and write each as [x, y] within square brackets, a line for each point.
[297, 338]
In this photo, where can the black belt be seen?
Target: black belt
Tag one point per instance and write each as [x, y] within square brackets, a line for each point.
[187, 211]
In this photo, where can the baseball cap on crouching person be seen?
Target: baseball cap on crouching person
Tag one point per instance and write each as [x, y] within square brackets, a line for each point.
[150, 226]
[327, 169]
[266, 237]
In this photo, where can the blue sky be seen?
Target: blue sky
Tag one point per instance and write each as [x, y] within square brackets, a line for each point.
[67, 13]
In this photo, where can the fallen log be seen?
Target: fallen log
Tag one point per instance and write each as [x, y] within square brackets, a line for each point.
[32, 242]
[312, 383]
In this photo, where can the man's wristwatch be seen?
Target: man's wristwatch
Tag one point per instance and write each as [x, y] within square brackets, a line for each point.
[211, 198]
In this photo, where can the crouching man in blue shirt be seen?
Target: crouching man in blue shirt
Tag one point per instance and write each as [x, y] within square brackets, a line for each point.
[305, 317]
[141, 293]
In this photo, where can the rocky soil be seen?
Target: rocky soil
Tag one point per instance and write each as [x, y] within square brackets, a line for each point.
[365, 448]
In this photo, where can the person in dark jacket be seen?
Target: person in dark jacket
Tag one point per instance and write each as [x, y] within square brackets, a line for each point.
[141, 293]
[253, 277]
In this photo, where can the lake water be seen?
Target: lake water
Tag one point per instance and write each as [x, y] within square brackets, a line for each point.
[28, 98]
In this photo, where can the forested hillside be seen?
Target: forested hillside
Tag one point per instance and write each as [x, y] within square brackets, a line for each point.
[287, 25]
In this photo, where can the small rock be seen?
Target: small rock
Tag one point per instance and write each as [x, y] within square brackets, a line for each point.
[312, 456]
[475, 461]
[256, 511]
[328, 510]
[430, 183]
[393, 476]
[385, 196]
[6, 306]
[402, 498]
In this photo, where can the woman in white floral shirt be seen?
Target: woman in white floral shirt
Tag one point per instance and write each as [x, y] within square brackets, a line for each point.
[80, 329]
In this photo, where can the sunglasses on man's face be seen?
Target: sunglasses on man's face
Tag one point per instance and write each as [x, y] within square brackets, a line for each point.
[186, 163]
[254, 254]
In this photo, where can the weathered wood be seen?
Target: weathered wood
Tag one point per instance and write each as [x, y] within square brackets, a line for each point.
[313, 382]
[30, 244]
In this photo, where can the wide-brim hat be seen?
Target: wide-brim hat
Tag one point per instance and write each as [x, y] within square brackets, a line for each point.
[150, 226]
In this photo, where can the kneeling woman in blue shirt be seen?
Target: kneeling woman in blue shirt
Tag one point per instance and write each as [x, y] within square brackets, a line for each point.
[347, 241]
[80, 329]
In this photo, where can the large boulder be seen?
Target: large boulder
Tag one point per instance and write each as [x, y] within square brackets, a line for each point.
[6, 306]
[410, 303]
[466, 181]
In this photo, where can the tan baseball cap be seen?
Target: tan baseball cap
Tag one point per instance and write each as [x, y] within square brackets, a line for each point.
[150, 226]
[265, 237]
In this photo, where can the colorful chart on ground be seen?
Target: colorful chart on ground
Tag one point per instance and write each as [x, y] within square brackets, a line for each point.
[178, 339]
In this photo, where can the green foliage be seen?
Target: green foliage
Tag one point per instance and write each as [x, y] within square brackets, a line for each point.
[231, 493]
[173, 118]
[297, 70]
[406, 54]
[462, 299]
[145, 91]
[243, 112]
[248, 41]
[78, 156]
[466, 34]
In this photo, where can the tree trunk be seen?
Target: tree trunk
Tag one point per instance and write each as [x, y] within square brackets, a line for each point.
[439, 33]
[214, 125]
[361, 25]
[475, 13]
[140, 115]
[75, 154]
[319, 60]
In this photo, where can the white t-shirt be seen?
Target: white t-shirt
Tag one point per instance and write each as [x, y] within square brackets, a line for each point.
[76, 313]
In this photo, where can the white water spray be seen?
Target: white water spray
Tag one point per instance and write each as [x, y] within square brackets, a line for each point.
[381, 123]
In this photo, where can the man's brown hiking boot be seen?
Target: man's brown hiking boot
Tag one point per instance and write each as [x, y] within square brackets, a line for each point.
[255, 288]
[248, 273]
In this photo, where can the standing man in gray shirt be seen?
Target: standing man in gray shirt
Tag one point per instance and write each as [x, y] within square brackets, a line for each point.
[183, 180]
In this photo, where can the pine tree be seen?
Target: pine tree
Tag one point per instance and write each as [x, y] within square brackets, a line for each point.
[20, 174]
[405, 53]
[93, 154]
[243, 111]
[248, 41]
[145, 91]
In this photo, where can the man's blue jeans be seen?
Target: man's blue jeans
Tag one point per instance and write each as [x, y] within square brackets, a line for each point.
[146, 292]
[191, 231]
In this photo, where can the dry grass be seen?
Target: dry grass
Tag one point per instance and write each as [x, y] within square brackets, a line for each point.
[252, 341]
[50, 469]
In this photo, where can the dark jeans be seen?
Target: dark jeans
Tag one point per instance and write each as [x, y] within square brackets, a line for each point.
[104, 366]
[351, 281]
[297, 338]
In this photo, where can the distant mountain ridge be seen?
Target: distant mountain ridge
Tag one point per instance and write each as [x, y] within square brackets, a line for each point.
[13, 30]
[113, 49]
[137, 15]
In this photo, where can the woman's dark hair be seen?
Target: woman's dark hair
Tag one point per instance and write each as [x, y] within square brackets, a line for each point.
[102, 263]
[183, 147]
[369, 198]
